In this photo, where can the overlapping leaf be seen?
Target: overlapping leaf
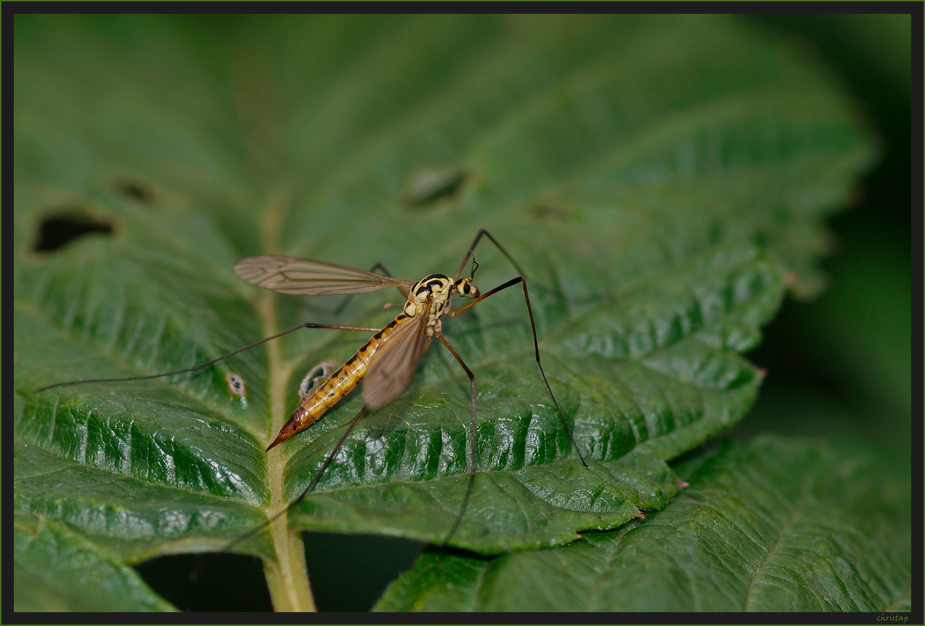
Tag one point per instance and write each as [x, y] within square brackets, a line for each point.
[776, 525]
[58, 570]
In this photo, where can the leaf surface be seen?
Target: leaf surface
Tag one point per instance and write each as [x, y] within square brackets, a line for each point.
[775, 525]
[56, 569]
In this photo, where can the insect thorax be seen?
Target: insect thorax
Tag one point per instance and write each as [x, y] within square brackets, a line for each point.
[438, 288]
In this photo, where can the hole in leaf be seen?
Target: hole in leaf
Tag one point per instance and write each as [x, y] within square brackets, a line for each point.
[136, 190]
[315, 378]
[227, 582]
[61, 228]
[429, 185]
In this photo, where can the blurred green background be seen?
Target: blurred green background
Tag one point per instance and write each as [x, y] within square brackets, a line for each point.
[845, 354]
[850, 349]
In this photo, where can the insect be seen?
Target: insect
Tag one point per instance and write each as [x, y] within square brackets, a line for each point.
[386, 363]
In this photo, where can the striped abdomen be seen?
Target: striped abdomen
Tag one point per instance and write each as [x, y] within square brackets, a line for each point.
[336, 387]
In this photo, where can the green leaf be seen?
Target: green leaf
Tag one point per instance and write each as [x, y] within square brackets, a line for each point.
[56, 569]
[659, 180]
[775, 525]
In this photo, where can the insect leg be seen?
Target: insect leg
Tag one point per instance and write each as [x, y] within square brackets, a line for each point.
[324, 465]
[473, 451]
[343, 303]
[292, 504]
[536, 347]
[425, 346]
[471, 252]
[207, 363]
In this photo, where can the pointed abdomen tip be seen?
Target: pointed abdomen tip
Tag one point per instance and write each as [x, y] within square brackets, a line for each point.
[296, 424]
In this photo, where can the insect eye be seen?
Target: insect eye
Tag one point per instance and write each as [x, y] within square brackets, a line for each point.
[464, 287]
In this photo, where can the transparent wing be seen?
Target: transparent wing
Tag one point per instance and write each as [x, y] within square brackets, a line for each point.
[285, 274]
[392, 365]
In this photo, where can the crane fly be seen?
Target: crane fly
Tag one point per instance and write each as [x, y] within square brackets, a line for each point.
[384, 366]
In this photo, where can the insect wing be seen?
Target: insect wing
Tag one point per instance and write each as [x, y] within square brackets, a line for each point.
[289, 275]
[392, 365]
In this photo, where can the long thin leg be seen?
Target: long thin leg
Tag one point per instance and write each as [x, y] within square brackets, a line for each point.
[536, 347]
[424, 347]
[471, 251]
[327, 462]
[207, 363]
[474, 454]
[291, 505]
[378, 266]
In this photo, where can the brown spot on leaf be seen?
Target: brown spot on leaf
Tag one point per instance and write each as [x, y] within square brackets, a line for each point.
[136, 189]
